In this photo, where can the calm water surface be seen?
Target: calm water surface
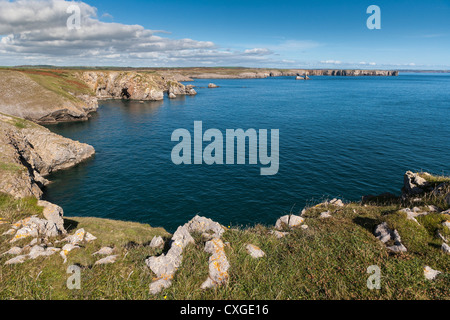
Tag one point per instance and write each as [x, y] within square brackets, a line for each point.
[339, 137]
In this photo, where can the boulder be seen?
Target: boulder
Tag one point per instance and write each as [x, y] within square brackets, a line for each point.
[384, 234]
[172, 96]
[212, 85]
[446, 248]
[414, 184]
[205, 225]
[157, 242]
[290, 221]
[54, 214]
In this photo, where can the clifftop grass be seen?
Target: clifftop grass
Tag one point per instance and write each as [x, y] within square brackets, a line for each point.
[329, 260]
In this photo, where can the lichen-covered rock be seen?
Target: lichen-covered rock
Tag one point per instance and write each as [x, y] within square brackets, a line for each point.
[66, 249]
[76, 238]
[205, 225]
[254, 251]
[165, 265]
[218, 264]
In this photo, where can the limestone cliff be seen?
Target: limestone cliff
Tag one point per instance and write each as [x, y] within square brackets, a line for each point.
[44, 97]
[54, 95]
[28, 152]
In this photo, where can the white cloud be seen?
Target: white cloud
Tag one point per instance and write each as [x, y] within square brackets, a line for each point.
[37, 30]
[331, 62]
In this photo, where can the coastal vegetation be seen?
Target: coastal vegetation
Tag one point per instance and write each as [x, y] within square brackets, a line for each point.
[327, 260]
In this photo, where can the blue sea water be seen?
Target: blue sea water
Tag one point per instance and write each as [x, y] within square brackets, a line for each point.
[339, 137]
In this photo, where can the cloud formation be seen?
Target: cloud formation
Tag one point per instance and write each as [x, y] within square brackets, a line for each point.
[37, 30]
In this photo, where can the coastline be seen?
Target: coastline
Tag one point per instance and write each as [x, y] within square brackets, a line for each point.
[29, 158]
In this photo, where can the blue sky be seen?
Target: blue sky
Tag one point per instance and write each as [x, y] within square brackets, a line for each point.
[333, 34]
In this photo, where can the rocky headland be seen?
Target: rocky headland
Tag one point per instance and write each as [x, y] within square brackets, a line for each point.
[321, 252]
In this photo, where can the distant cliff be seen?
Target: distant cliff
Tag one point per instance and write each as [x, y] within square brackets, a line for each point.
[188, 74]
[58, 95]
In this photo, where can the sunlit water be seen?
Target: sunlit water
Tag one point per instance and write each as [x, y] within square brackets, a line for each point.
[339, 137]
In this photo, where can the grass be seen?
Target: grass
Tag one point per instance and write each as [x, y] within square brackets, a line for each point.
[10, 167]
[62, 82]
[329, 260]
[12, 210]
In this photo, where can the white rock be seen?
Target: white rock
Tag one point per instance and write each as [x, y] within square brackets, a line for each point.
[336, 202]
[430, 273]
[9, 232]
[157, 242]
[446, 224]
[279, 234]
[13, 251]
[445, 247]
[218, 264]
[17, 260]
[326, 214]
[75, 238]
[89, 237]
[107, 260]
[66, 249]
[254, 251]
[290, 221]
[384, 234]
[104, 251]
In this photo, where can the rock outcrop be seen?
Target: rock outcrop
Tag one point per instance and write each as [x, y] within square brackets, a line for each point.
[29, 152]
[124, 85]
[384, 234]
[23, 96]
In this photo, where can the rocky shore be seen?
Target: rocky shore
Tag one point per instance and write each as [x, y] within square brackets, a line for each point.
[321, 252]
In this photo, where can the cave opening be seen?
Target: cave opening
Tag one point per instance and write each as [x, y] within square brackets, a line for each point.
[125, 94]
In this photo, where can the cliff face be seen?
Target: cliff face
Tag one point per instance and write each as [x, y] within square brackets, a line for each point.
[132, 85]
[29, 152]
[266, 73]
[51, 96]
[44, 97]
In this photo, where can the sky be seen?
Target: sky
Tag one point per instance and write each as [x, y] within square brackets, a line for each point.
[278, 34]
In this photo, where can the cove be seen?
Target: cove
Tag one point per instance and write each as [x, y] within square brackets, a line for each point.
[341, 137]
